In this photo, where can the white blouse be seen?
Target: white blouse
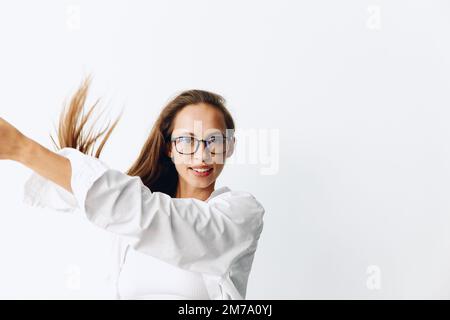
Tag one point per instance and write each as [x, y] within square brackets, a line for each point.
[165, 248]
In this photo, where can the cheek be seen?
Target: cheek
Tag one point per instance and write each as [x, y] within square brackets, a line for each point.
[218, 169]
[182, 168]
[180, 161]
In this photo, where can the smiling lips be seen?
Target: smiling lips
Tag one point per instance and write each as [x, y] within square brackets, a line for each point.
[201, 171]
[200, 167]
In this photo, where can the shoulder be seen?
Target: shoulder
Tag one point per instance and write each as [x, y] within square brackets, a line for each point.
[239, 201]
[236, 195]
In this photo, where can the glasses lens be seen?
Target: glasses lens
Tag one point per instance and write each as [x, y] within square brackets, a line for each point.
[185, 145]
[216, 144]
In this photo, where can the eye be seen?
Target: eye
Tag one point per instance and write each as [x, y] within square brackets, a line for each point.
[216, 138]
[185, 139]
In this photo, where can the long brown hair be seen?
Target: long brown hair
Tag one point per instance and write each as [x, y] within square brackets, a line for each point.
[153, 165]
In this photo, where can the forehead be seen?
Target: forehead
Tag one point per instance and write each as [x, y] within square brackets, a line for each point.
[199, 119]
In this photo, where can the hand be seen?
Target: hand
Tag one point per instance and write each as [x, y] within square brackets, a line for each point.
[12, 141]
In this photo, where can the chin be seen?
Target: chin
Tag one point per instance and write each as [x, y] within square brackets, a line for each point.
[200, 184]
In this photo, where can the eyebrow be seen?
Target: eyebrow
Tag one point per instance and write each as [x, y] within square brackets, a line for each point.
[192, 134]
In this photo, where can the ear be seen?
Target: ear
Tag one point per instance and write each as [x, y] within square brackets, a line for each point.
[231, 147]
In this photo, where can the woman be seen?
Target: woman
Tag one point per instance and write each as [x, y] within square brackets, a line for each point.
[177, 236]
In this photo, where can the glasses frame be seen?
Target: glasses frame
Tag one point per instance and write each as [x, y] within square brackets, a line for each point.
[197, 144]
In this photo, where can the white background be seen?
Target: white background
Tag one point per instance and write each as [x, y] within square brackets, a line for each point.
[358, 91]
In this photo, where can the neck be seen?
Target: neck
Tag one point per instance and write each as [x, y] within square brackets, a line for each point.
[186, 191]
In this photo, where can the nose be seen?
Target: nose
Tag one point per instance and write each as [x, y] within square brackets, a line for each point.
[202, 152]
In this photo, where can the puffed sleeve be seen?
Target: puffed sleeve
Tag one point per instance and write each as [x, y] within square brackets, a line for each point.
[41, 192]
[201, 236]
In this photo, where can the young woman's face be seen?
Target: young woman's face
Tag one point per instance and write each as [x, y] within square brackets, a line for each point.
[200, 121]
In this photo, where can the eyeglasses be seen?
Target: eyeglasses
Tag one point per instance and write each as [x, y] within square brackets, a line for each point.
[216, 144]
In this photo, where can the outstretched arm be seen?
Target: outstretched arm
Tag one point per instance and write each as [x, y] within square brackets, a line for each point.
[200, 236]
[17, 147]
